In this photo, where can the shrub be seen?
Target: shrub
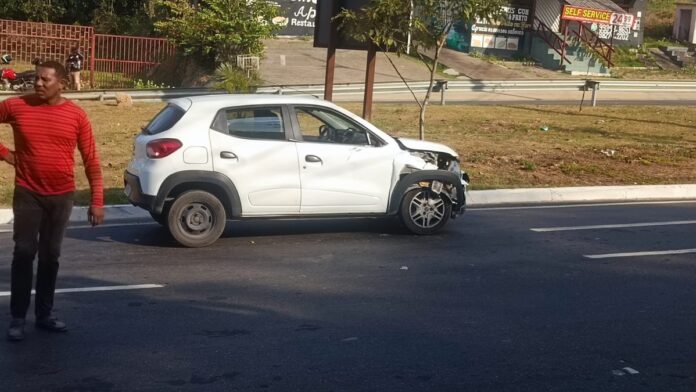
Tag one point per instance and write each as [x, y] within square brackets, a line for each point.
[235, 80]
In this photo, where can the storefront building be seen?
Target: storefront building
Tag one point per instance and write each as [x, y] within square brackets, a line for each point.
[507, 38]
[616, 22]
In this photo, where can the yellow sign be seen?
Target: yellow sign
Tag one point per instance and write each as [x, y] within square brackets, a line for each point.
[586, 14]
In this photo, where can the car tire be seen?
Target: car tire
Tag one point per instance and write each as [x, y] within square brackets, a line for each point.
[196, 219]
[424, 212]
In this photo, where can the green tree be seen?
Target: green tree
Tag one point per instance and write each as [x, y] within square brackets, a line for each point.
[388, 24]
[218, 30]
[32, 10]
[129, 17]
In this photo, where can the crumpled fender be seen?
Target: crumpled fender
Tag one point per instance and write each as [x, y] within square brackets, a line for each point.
[422, 145]
[427, 175]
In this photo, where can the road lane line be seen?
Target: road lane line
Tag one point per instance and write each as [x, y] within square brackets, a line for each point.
[631, 370]
[102, 288]
[636, 254]
[616, 226]
[87, 226]
[9, 230]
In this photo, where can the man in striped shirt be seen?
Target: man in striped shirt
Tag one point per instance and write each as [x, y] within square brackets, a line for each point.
[47, 128]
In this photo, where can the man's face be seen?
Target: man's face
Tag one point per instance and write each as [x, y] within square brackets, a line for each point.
[47, 84]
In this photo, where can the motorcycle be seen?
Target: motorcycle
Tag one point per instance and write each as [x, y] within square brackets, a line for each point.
[24, 81]
[12, 81]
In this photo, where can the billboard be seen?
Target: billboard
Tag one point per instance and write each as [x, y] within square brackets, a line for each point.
[589, 15]
[504, 37]
[297, 17]
[322, 33]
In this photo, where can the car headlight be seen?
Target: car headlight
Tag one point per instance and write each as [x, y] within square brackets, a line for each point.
[454, 167]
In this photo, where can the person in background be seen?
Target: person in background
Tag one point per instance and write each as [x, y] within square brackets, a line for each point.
[74, 66]
[46, 128]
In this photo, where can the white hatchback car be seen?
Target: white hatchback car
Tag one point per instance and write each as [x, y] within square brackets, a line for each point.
[205, 159]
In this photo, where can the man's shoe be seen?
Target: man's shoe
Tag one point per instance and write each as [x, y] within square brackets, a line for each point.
[15, 332]
[51, 324]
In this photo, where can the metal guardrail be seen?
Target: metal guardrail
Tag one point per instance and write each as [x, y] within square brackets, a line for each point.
[399, 87]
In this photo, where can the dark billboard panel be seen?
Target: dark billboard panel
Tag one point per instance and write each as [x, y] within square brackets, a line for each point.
[297, 17]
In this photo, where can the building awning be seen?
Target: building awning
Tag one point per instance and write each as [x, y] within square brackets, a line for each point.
[596, 11]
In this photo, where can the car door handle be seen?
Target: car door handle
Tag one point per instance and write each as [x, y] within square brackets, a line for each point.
[312, 159]
[228, 155]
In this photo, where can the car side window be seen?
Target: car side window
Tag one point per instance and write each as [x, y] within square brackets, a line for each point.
[323, 126]
[252, 123]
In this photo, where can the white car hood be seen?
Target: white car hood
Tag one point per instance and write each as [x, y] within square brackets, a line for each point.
[422, 145]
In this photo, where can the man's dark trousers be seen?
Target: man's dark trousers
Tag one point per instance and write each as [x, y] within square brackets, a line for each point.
[39, 225]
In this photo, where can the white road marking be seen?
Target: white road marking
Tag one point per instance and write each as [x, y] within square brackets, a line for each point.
[630, 370]
[87, 226]
[103, 288]
[616, 226]
[636, 254]
[9, 230]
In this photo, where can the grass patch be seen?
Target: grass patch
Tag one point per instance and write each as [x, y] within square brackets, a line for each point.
[500, 147]
[659, 19]
[627, 57]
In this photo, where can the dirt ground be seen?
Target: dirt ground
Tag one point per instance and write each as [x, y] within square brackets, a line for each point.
[500, 147]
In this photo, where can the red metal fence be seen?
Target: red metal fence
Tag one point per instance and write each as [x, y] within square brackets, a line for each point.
[111, 61]
[119, 60]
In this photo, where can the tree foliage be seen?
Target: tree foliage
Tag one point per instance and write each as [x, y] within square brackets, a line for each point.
[218, 30]
[389, 23]
[128, 17]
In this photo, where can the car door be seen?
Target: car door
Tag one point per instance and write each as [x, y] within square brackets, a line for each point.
[344, 168]
[250, 146]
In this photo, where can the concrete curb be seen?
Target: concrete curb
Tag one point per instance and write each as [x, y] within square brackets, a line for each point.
[589, 194]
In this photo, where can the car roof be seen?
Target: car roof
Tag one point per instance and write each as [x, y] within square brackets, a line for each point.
[230, 100]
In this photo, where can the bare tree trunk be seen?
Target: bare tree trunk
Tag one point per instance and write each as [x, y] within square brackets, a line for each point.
[426, 100]
[402, 78]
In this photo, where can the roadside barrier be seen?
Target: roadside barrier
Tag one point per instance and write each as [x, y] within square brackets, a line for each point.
[399, 87]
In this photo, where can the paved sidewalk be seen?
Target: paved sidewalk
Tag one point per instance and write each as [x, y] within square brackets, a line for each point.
[497, 197]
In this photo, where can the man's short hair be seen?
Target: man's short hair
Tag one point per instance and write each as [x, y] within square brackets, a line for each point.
[61, 73]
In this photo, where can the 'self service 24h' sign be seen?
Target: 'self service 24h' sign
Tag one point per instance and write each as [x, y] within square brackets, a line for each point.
[589, 15]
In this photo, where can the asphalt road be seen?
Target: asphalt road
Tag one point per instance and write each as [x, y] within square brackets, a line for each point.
[359, 305]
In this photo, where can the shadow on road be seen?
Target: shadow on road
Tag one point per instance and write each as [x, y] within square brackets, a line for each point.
[148, 233]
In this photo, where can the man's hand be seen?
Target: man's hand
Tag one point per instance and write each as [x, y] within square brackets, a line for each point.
[10, 158]
[95, 216]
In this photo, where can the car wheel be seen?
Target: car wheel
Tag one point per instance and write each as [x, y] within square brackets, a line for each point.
[424, 211]
[196, 219]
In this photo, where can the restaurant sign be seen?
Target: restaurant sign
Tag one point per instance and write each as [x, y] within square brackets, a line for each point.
[590, 15]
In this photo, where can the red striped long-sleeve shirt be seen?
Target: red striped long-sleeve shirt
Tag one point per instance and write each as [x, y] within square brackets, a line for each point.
[45, 138]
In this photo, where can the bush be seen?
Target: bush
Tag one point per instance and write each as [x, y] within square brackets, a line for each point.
[235, 80]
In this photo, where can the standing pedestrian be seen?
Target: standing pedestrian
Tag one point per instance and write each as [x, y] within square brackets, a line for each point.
[74, 66]
[46, 127]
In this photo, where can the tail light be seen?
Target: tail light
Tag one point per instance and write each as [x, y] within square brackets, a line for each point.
[161, 148]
